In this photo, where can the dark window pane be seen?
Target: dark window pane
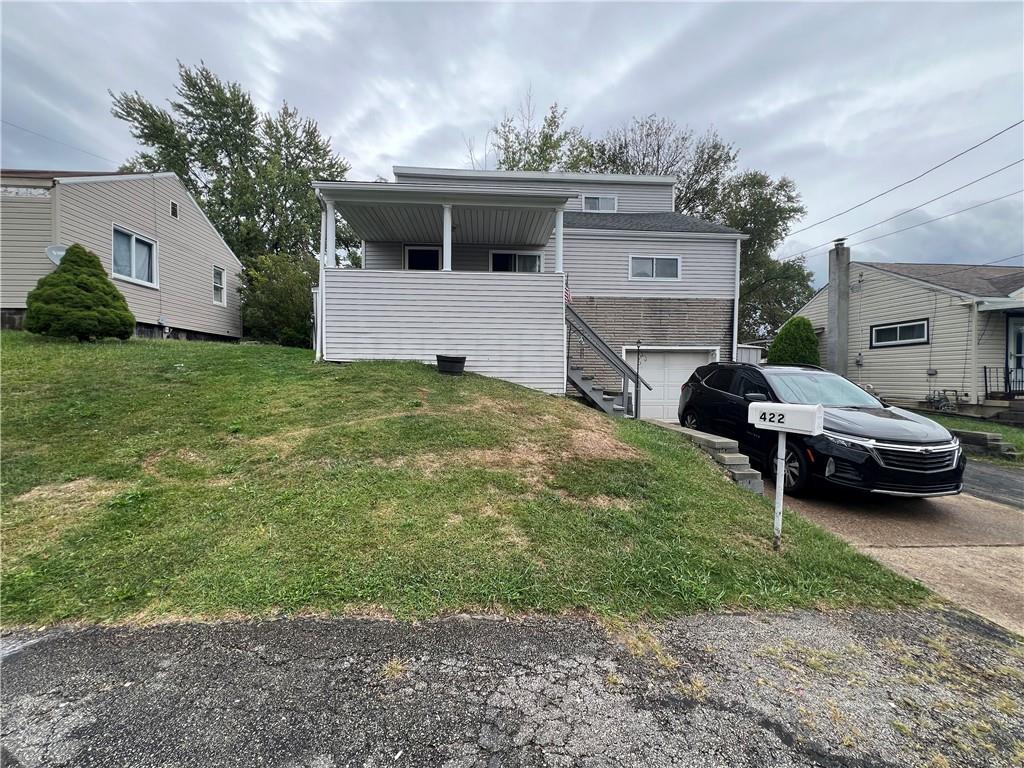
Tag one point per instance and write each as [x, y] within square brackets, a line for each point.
[885, 335]
[423, 258]
[912, 332]
[528, 263]
[721, 379]
[666, 268]
[591, 203]
[643, 267]
[504, 262]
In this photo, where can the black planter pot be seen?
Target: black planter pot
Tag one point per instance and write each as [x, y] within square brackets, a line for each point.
[453, 366]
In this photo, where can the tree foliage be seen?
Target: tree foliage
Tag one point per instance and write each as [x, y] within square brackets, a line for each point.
[250, 171]
[795, 344]
[708, 186]
[77, 300]
[277, 303]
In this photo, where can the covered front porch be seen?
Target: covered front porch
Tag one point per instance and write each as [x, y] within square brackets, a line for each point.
[450, 271]
[1001, 346]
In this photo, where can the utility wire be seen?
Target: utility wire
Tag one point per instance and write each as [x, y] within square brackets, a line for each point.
[908, 181]
[965, 267]
[905, 212]
[58, 141]
[937, 218]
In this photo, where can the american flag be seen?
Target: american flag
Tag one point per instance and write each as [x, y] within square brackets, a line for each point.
[568, 293]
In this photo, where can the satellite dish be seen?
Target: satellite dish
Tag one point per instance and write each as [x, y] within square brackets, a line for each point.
[56, 252]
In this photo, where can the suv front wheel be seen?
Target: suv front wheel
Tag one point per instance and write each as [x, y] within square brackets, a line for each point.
[690, 420]
[797, 472]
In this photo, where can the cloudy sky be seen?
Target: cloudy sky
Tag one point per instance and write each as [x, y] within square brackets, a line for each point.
[847, 99]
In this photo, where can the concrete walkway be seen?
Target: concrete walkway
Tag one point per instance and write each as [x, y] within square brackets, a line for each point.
[880, 689]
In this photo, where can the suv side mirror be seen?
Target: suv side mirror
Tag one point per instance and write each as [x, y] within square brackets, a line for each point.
[756, 397]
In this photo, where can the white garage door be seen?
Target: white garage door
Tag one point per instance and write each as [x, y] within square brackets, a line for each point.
[666, 371]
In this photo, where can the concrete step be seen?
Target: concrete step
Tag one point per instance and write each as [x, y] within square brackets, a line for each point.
[747, 478]
[732, 460]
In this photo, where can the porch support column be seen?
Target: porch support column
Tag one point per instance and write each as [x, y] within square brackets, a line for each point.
[558, 240]
[332, 230]
[446, 250]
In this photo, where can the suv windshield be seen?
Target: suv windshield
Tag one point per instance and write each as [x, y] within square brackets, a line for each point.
[813, 387]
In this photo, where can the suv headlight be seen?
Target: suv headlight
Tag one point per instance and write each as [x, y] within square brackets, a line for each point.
[846, 442]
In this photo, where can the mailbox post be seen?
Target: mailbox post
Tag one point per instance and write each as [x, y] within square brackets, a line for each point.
[784, 418]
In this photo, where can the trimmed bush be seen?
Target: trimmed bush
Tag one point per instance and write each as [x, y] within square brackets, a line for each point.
[795, 344]
[77, 300]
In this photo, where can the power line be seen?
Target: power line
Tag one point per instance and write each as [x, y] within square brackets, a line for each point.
[937, 218]
[909, 181]
[58, 141]
[972, 266]
[905, 212]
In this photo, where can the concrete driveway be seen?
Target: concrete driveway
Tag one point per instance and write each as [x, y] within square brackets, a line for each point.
[968, 549]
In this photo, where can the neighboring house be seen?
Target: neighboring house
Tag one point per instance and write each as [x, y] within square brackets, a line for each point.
[913, 330]
[179, 277]
[481, 263]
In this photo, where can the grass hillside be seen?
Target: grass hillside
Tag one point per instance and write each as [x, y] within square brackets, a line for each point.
[148, 479]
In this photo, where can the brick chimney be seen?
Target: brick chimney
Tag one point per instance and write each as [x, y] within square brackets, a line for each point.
[837, 334]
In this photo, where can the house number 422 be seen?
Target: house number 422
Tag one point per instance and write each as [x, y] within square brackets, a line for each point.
[772, 418]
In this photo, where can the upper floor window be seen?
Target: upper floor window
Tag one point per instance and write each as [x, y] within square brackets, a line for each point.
[219, 296]
[174, 210]
[134, 257]
[504, 261]
[653, 268]
[900, 334]
[600, 203]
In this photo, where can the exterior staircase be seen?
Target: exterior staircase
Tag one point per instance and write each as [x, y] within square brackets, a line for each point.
[614, 402]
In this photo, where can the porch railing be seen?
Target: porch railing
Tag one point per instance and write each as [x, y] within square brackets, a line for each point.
[1004, 382]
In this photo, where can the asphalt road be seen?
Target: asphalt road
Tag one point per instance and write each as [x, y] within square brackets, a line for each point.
[994, 482]
[796, 689]
[967, 548]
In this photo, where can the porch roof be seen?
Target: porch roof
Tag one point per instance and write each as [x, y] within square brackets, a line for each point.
[413, 213]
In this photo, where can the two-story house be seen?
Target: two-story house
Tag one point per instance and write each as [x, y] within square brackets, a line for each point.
[177, 274]
[543, 279]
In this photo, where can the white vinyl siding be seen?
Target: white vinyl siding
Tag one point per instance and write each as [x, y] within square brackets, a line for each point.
[901, 371]
[189, 247]
[631, 197]
[509, 326]
[26, 229]
[816, 310]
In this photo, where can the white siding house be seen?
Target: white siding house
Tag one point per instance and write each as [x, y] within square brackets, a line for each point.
[917, 329]
[175, 271]
[544, 279]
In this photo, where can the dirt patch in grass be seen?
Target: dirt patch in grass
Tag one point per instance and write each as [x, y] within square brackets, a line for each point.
[284, 443]
[39, 516]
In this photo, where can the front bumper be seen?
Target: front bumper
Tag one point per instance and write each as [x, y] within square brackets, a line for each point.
[911, 471]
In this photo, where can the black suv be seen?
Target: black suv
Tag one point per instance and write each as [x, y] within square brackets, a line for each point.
[867, 444]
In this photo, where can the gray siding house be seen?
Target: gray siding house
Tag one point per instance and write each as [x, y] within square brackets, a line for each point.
[913, 330]
[179, 277]
[547, 280]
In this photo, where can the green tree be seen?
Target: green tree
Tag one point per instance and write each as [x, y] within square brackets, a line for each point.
[521, 144]
[250, 171]
[77, 300]
[277, 303]
[795, 344]
[764, 209]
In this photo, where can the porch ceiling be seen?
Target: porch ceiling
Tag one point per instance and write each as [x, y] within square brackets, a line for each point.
[470, 224]
[413, 213]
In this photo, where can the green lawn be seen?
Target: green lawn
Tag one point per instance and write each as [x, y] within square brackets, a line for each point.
[1013, 435]
[150, 479]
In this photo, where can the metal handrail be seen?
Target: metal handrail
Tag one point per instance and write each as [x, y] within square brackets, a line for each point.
[601, 347]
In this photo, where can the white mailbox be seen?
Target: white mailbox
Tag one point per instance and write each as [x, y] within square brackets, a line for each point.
[784, 418]
[787, 417]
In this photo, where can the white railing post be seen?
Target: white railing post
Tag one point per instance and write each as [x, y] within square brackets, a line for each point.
[558, 241]
[446, 250]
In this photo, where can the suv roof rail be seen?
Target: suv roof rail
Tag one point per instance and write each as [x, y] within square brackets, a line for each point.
[789, 365]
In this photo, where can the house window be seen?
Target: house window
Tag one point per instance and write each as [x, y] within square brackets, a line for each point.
[899, 334]
[507, 261]
[600, 203]
[134, 258]
[422, 258]
[653, 268]
[174, 210]
[219, 297]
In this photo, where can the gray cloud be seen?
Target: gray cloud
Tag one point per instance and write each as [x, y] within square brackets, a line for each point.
[846, 99]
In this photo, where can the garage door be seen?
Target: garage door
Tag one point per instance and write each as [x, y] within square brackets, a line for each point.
[666, 371]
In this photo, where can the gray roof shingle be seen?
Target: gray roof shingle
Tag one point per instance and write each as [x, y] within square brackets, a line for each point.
[666, 221]
[976, 280]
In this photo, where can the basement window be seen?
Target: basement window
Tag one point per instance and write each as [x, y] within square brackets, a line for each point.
[900, 334]
[600, 203]
[653, 268]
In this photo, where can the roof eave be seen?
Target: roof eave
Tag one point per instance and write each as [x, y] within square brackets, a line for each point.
[465, 173]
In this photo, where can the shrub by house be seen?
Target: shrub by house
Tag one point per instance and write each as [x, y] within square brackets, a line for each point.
[795, 344]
